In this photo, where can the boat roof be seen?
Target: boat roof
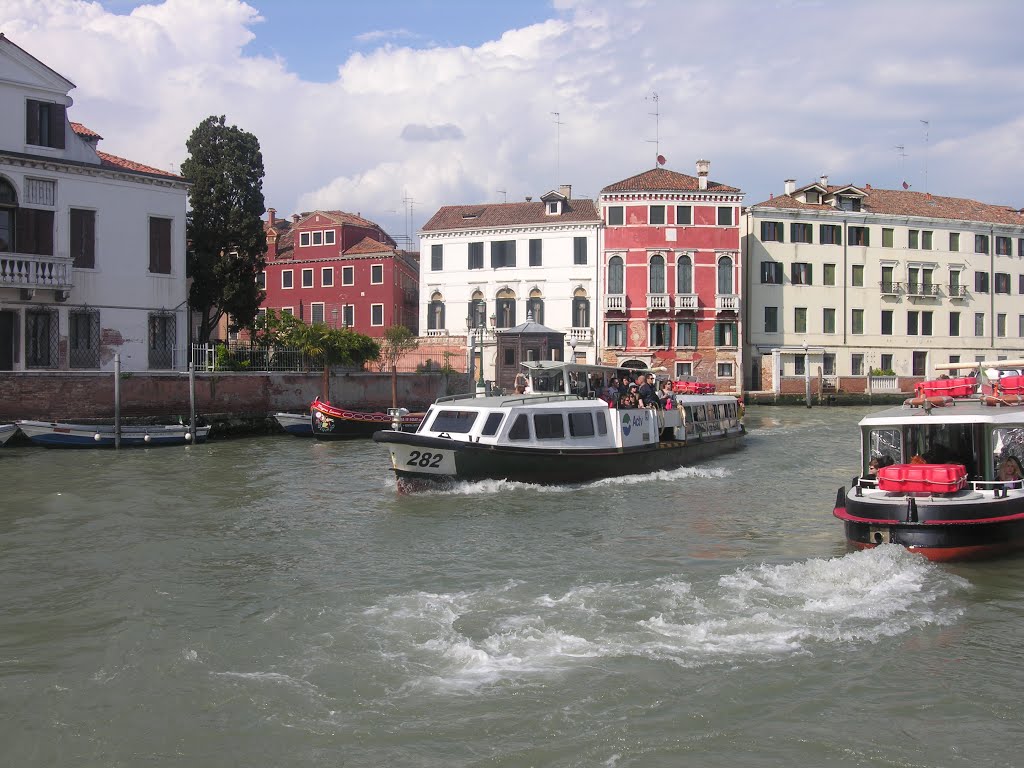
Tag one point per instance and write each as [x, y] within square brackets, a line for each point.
[961, 411]
[509, 401]
[540, 366]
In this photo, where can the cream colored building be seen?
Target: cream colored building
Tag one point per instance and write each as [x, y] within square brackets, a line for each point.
[851, 280]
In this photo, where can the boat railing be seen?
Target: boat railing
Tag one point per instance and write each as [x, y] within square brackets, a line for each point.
[516, 399]
[999, 486]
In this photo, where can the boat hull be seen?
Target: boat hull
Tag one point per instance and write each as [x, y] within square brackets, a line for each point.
[297, 424]
[7, 432]
[941, 530]
[422, 461]
[330, 423]
[58, 435]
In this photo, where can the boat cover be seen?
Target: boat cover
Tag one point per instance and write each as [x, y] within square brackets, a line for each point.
[922, 478]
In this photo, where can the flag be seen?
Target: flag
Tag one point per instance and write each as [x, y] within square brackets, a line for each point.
[905, 185]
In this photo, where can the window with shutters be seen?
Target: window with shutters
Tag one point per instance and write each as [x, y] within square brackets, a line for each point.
[684, 275]
[436, 258]
[616, 279]
[83, 238]
[159, 245]
[84, 338]
[503, 254]
[476, 256]
[33, 231]
[44, 125]
[316, 313]
[579, 250]
[536, 253]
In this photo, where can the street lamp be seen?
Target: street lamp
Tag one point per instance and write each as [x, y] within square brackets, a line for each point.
[572, 347]
[807, 375]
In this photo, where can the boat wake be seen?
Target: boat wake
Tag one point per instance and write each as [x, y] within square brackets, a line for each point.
[759, 614]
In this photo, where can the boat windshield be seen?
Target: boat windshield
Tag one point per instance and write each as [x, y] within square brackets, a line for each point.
[937, 443]
[451, 421]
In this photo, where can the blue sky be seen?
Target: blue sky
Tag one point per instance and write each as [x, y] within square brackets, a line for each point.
[364, 106]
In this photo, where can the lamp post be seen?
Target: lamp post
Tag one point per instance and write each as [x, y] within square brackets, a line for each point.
[334, 318]
[572, 348]
[807, 375]
[481, 386]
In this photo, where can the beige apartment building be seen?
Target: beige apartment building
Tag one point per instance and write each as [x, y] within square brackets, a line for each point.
[847, 282]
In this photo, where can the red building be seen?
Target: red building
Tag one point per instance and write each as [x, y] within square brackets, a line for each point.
[340, 269]
[672, 275]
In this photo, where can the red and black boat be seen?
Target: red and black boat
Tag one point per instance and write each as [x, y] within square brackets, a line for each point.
[941, 475]
[332, 423]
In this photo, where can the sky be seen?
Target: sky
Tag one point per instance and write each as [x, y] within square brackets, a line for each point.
[393, 108]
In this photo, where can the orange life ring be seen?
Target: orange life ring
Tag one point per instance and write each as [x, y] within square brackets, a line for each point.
[922, 402]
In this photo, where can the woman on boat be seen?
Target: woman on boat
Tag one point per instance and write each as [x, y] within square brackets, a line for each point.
[666, 395]
[1010, 473]
[629, 399]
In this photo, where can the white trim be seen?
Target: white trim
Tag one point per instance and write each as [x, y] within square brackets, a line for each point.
[326, 271]
[351, 271]
[377, 282]
[291, 276]
[381, 323]
[312, 277]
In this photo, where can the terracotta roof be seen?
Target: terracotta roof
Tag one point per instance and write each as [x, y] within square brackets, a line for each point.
[509, 215]
[901, 202]
[85, 133]
[340, 217]
[113, 161]
[369, 245]
[664, 180]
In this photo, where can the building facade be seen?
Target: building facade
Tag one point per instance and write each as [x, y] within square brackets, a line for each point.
[339, 269]
[92, 246]
[671, 275]
[848, 280]
[492, 266]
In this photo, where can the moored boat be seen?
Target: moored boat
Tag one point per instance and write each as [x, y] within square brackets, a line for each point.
[329, 422]
[62, 435]
[7, 432]
[559, 433]
[297, 424]
[947, 483]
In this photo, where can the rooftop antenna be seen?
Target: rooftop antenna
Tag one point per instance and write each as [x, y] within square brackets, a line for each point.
[504, 195]
[558, 147]
[657, 125]
[408, 202]
[926, 125]
[901, 154]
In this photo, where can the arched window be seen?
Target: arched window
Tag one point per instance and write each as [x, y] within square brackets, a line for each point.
[505, 308]
[477, 310]
[657, 274]
[535, 306]
[725, 275]
[616, 278]
[580, 309]
[435, 312]
[8, 212]
[684, 275]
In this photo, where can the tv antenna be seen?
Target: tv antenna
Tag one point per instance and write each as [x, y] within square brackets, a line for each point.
[901, 156]
[504, 195]
[558, 147]
[657, 125]
[408, 202]
[926, 125]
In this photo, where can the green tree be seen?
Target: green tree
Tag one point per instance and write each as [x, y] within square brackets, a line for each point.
[227, 244]
[397, 341]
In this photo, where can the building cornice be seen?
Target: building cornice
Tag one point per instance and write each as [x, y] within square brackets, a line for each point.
[485, 232]
[860, 218]
[78, 168]
[615, 198]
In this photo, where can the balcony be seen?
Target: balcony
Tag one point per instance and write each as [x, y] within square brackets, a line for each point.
[727, 302]
[615, 302]
[659, 302]
[686, 301]
[31, 272]
[581, 335]
[956, 291]
[436, 332]
[922, 290]
[889, 288]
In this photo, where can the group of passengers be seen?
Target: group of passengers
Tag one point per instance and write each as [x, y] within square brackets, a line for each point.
[641, 392]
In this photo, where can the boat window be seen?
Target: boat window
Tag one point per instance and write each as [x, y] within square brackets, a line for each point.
[1005, 443]
[581, 424]
[941, 443]
[602, 423]
[886, 443]
[520, 429]
[548, 426]
[548, 382]
[458, 422]
[492, 423]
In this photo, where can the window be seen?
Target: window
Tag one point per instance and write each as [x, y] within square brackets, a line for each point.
[616, 334]
[659, 335]
[847, 203]
[830, 234]
[554, 206]
[686, 334]
[886, 362]
[580, 311]
[828, 320]
[307, 278]
[436, 258]
[920, 363]
[771, 232]
[326, 277]
[828, 274]
[83, 239]
[799, 365]
[159, 245]
[1001, 325]
[1020, 325]
[615, 216]
[492, 424]
[913, 236]
[725, 283]
[503, 253]
[318, 238]
[981, 243]
[348, 316]
[887, 322]
[859, 236]
[656, 274]
[1020, 247]
[602, 423]
[162, 334]
[328, 237]
[616, 280]
[857, 321]
[377, 314]
[435, 312]
[684, 215]
[535, 309]
[1020, 284]
[857, 364]
[548, 426]
[887, 283]
[316, 313]
[912, 320]
[725, 335]
[1001, 282]
[84, 338]
[505, 308]
[981, 282]
[954, 241]
[303, 239]
[913, 280]
[926, 240]
[725, 216]
[684, 275]
[348, 275]
[926, 323]
[581, 424]
[657, 214]
[1003, 247]
[376, 274]
[954, 323]
[40, 338]
[828, 364]
[287, 310]
[857, 275]
[44, 126]
[286, 278]
[454, 422]
[771, 319]
[477, 311]
[771, 273]
[799, 319]
[800, 273]
[955, 289]
[261, 280]
[800, 233]
[725, 370]
[684, 370]
[579, 250]
[979, 323]
[536, 253]
[887, 237]
[520, 429]
[476, 255]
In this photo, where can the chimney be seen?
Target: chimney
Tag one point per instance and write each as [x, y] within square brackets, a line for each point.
[703, 166]
[271, 213]
[529, 198]
[824, 180]
[565, 189]
[295, 218]
[790, 186]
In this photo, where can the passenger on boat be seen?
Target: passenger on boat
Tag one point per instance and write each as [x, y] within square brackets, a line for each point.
[667, 400]
[1010, 472]
[645, 391]
[629, 398]
[611, 392]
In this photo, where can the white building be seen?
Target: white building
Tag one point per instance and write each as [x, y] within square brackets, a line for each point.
[493, 265]
[92, 246]
[878, 280]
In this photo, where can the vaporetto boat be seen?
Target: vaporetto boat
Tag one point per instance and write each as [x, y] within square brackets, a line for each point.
[947, 485]
[559, 433]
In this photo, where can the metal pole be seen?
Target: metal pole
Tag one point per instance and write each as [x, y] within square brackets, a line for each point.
[807, 376]
[481, 386]
[192, 399]
[117, 400]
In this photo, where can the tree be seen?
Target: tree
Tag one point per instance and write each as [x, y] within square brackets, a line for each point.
[397, 341]
[227, 244]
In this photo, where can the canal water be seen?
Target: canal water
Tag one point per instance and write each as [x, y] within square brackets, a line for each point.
[273, 602]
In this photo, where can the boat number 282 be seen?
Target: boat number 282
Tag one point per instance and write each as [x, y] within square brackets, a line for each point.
[424, 459]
